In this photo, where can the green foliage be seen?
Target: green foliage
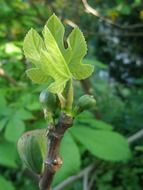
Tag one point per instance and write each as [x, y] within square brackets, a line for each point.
[50, 58]
[13, 125]
[106, 145]
[116, 84]
[5, 184]
[8, 154]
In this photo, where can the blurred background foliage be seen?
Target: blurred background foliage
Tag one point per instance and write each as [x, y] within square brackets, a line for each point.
[115, 49]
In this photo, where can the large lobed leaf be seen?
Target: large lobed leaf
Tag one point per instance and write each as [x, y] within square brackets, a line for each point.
[106, 145]
[52, 60]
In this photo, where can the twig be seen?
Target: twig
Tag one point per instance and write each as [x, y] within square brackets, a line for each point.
[85, 181]
[70, 23]
[102, 34]
[94, 12]
[123, 34]
[73, 178]
[135, 136]
[8, 77]
[53, 161]
[90, 184]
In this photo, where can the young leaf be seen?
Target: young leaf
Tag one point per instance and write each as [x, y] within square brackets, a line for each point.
[78, 47]
[37, 75]
[55, 53]
[106, 145]
[32, 46]
[69, 150]
[57, 30]
[52, 59]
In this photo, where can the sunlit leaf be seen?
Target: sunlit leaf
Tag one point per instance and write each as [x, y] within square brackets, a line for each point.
[57, 30]
[32, 46]
[78, 47]
[52, 59]
[54, 64]
[37, 76]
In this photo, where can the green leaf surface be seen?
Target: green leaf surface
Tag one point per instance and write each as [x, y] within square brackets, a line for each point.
[106, 145]
[14, 128]
[5, 184]
[56, 70]
[52, 59]
[71, 158]
[55, 53]
[32, 46]
[23, 114]
[78, 48]
[57, 30]
[98, 124]
[37, 75]
[2, 123]
[8, 154]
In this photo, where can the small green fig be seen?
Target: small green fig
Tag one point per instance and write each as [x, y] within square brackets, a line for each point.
[48, 100]
[32, 148]
[85, 102]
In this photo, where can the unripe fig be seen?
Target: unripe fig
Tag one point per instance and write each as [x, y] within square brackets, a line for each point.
[32, 148]
[85, 102]
[48, 100]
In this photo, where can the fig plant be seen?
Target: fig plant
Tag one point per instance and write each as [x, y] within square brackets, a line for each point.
[57, 67]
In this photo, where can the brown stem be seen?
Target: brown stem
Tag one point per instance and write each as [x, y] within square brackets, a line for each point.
[8, 77]
[53, 161]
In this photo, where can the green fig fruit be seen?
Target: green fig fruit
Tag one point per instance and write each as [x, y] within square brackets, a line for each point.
[48, 100]
[32, 148]
[85, 102]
